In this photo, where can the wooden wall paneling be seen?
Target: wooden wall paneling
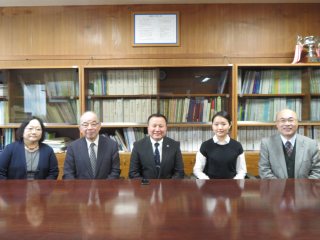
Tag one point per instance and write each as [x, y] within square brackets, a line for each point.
[228, 32]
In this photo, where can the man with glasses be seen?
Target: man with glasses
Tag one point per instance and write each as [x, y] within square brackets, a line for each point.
[93, 156]
[288, 154]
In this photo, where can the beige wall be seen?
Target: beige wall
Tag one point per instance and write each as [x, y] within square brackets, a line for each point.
[99, 35]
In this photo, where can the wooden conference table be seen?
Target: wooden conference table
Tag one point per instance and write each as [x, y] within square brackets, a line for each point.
[164, 209]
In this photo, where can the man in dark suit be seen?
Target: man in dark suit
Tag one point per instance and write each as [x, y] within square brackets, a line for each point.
[289, 154]
[93, 156]
[156, 156]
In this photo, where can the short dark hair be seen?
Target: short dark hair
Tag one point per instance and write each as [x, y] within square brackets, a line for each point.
[157, 115]
[223, 114]
[23, 125]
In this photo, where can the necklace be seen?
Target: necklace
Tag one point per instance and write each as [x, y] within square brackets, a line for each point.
[31, 149]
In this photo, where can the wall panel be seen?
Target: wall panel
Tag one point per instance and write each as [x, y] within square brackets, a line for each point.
[214, 33]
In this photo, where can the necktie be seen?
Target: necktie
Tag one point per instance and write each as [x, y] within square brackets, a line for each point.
[93, 158]
[157, 155]
[288, 147]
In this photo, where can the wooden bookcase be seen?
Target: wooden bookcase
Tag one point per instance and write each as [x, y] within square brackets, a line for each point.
[124, 97]
[187, 96]
[262, 90]
[51, 93]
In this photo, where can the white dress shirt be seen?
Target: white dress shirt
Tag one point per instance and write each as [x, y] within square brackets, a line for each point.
[159, 147]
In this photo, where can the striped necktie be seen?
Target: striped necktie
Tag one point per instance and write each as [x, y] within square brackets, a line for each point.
[93, 159]
[288, 147]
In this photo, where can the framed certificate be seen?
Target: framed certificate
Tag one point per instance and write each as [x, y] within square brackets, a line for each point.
[155, 29]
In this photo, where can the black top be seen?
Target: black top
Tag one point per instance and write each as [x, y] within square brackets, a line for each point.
[221, 159]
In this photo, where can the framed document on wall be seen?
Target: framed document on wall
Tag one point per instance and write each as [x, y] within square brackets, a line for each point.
[155, 29]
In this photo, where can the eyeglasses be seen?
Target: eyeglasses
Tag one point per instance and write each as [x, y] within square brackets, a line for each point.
[30, 129]
[92, 124]
[285, 120]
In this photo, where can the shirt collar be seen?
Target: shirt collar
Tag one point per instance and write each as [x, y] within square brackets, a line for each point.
[96, 141]
[153, 141]
[292, 140]
[225, 141]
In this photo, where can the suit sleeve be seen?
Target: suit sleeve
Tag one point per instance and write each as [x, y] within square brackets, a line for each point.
[178, 167]
[5, 158]
[315, 168]
[135, 165]
[69, 169]
[265, 170]
[115, 163]
[53, 168]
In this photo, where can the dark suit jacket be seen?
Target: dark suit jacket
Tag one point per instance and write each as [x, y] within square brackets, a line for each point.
[13, 162]
[77, 162]
[142, 164]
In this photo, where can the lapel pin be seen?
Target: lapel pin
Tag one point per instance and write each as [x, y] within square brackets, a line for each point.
[168, 146]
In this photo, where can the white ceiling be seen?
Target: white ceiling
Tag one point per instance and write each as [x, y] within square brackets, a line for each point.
[11, 3]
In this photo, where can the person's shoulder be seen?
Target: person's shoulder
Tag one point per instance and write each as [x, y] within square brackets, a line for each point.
[170, 140]
[208, 141]
[142, 141]
[76, 142]
[235, 142]
[105, 139]
[45, 146]
[305, 139]
[271, 138]
[14, 145]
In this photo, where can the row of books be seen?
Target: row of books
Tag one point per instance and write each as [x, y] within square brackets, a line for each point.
[58, 144]
[265, 110]
[314, 133]
[315, 81]
[4, 109]
[270, 82]
[8, 136]
[122, 82]
[126, 138]
[315, 106]
[124, 110]
[181, 110]
[250, 137]
[63, 83]
[191, 109]
[62, 112]
[18, 114]
[190, 138]
[3, 90]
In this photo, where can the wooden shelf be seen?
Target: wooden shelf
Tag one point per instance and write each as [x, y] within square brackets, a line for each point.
[281, 95]
[121, 96]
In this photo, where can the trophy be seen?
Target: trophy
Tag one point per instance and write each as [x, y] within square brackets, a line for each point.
[310, 45]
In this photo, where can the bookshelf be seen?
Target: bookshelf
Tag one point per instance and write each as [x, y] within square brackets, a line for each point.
[262, 90]
[123, 98]
[51, 93]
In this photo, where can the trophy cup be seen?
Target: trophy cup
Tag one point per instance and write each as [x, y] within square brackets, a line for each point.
[310, 45]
